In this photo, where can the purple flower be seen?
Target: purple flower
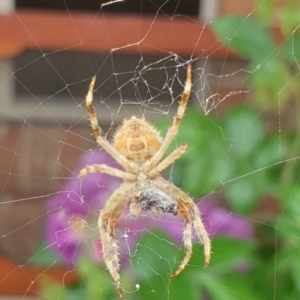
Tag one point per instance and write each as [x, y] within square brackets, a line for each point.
[219, 221]
[71, 208]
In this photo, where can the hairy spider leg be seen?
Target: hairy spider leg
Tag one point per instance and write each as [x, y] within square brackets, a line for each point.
[107, 170]
[107, 221]
[187, 240]
[101, 140]
[168, 160]
[191, 213]
[201, 233]
[188, 209]
[176, 122]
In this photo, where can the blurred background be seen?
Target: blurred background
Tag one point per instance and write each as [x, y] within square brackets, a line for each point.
[242, 128]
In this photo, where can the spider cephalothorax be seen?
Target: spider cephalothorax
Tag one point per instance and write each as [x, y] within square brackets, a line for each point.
[137, 140]
[139, 149]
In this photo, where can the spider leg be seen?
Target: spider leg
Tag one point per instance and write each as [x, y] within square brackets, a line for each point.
[168, 160]
[107, 170]
[176, 122]
[189, 210]
[107, 221]
[101, 140]
[191, 213]
[201, 233]
[187, 241]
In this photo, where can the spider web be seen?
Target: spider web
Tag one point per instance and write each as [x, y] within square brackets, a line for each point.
[241, 167]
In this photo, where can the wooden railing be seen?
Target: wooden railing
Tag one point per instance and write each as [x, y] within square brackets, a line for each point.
[51, 30]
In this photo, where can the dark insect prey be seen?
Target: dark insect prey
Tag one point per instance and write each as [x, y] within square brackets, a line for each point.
[156, 201]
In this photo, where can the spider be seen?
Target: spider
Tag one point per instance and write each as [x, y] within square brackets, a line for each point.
[139, 149]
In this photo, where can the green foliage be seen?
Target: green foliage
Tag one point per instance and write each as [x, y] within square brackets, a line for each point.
[96, 281]
[96, 284]
[244, 129]
[206, 143]
[272, 68]
[270, 164]
[248, 37]
[220, 153]
[154, 259]
[157, 257]
[291, 47]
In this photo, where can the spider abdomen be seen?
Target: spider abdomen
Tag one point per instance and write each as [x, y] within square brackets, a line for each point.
[137, 140]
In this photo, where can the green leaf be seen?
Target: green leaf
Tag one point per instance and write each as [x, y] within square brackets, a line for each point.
[201, 169]
[185, 286]
[289, 222]
[247, 36]
[196, 130]
[243, 193]
[97, 283]
[270, 81]
[228, 253]
[77, 293]
[244, 130]
[195, 175]
[233, 287]
[291, 48]
[292, 202]
[222, 280]
[295, 266]
[271, 151]
[153, 262]
[288, 266]
[203, 173]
